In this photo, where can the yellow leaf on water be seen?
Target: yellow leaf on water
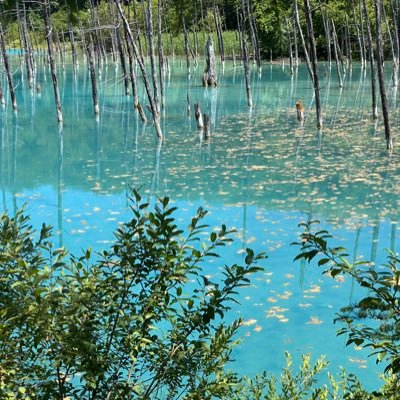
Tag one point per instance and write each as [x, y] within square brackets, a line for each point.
[249, 322]
[314, 321]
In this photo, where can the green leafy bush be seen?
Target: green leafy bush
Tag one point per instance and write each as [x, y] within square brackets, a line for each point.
[125, 325]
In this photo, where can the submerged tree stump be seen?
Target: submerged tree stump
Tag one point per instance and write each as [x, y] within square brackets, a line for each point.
[206, 132]
[300, 111]
[210, 73]
[199, 116]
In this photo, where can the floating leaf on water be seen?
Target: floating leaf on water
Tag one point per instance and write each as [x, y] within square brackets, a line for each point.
[314, 321]
[249, 322]
[313, 289]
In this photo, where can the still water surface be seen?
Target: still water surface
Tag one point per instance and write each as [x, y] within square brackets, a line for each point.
[261, 173]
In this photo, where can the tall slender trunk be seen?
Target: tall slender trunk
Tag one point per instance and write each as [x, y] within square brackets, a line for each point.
[49, 37]
[396, 47]
[161, 63]
[255, 33]
[303, 42]
[313, 59]
[359, 38]
[217, 20]
[122, 57]
[246, 56]
[73, 48]
[325, 21]
[7, 68]
[348, 44]
[381, 78]
[90, 57]
[290, 46]
[150, 34]
[153, 107]
[371, 61]
[28, 50]
[186, 43]
[336, 53]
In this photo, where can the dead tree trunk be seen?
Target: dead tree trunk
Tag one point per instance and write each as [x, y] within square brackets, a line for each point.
[371, 61]
[7, 68]
[290, 47]
[150, 34]
[153, 107]
[161, 64]
[253, 27]
[198, 116]
[313, 57]
[133, 78]
[28, 51]
[246, 57]
[303, 42]
[73, 48]
[336, 53]
[325, 21]
[217, 20]
[359, 38]
[206, 132]
[210, 73]
[381, 78]
[93, 78]
[395, 47]
[186, 40]
[122, 57]
[49, 37]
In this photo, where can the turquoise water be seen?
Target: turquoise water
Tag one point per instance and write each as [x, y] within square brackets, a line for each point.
[261, 173]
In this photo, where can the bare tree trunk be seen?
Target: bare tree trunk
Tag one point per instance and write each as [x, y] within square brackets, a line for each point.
[253, 26]
[360, 11]
[359, 38]
[348, 45]
[396, 47]
[153, 107]
[7, 68]
[73, 48]
[161, 65]
[313, 57]
[122, 57]
[49, 37]
[303, 42]
[371, 61]
[198, 116]
[325, 21]
[210, 73]
[93, 78]
[217, 20]
[186, 40]
[132, 74]
[246, 57]
[381, 78]
[28, 51]
[335, 50]
[290, 46]
[207, 132]
[150, 34]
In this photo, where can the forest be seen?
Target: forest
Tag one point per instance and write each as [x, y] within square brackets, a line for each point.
[200, 199]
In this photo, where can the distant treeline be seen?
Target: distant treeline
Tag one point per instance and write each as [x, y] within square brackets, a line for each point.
[271, 26]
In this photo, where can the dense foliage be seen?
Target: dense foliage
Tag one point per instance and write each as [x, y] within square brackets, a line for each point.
[139, 322]
[274, 20]
[142, 321]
